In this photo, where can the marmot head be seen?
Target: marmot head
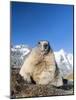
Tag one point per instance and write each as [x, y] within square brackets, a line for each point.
[44, 46]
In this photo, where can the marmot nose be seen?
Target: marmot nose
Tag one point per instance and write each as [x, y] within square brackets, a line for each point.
[45, 46]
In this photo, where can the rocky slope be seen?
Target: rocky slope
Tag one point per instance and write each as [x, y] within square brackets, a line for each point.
[20, 89]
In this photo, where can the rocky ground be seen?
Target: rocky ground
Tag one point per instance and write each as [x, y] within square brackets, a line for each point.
[20, 89]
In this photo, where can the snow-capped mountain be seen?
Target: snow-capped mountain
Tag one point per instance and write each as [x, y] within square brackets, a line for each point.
[18, 54]
[64, 62]
[63, 59]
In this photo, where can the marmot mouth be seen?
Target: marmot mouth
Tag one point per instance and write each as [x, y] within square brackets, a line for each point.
[44, 52]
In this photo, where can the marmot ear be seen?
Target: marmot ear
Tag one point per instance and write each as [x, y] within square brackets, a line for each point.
[39, 42]
[49, 48]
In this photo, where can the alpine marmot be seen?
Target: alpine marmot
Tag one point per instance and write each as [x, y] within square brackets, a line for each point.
[41, 66]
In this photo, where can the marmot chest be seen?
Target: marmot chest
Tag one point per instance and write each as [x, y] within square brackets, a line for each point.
[43, 70]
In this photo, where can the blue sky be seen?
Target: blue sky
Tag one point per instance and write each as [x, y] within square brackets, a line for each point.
[31, 22]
